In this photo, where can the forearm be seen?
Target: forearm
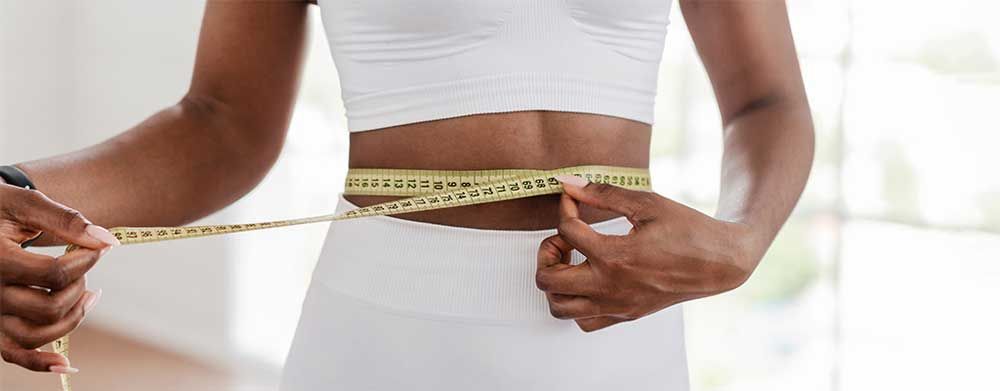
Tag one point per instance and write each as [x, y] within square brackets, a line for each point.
[181, 164]
[766, 161]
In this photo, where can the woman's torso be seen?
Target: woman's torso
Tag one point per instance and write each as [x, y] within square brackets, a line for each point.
[565, 82]
[527, 139]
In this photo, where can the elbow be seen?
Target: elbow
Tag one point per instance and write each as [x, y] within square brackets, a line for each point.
[244, 144]
[787, 109]
[778, 119]
[785, 100]
[753, 105]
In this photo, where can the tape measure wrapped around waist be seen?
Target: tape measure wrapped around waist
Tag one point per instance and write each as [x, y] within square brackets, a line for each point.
[423, 189]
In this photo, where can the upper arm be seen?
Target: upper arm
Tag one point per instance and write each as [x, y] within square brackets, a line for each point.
[747, 49]
[248, 64]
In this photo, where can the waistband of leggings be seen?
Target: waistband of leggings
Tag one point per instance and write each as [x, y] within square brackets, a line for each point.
[438, 270]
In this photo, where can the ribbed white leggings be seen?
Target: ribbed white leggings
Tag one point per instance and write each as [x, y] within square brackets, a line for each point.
[402, 305]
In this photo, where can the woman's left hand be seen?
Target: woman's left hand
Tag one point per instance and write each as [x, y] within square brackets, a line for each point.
[672, 254]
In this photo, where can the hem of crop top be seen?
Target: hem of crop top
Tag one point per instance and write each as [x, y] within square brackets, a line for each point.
[498, 94]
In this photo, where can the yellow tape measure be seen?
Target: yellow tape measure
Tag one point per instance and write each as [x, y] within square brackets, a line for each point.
[425, 189]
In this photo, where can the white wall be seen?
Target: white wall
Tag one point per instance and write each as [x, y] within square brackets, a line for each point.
[74, 73]
[31, 88]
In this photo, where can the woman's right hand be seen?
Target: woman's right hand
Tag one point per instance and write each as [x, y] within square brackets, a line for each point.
[43, 298]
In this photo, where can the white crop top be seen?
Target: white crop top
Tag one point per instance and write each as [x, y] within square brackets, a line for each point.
[406, 61]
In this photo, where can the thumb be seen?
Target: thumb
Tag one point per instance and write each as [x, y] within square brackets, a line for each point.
[35, 210]
[635, 205]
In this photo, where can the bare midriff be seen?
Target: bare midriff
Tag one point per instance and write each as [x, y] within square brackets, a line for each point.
[525, 139]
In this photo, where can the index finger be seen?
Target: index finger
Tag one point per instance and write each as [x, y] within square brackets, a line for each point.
[34, 209]
[578, 233]
[23, 267]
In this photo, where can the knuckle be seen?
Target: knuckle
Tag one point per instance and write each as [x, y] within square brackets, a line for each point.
[564, 227]
[604, 189]
[589, 325]
[542, 280]
[52, 314]
[548, 245]
[72, 219]
[57, 277]
[552, 241]
[558, 312]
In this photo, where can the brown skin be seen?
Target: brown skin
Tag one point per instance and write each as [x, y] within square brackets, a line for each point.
[230, 127]
[29, 316]
[674, 253]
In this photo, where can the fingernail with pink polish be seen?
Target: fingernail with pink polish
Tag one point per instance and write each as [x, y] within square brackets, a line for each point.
[101, 234]
[572, 180]
[63, 370]
[92, 301]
